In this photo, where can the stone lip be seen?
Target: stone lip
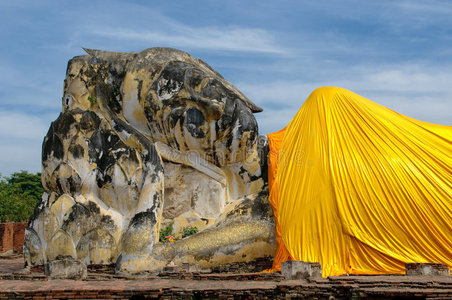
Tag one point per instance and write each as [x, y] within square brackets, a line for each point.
[66, 268]
[293, 269]
[427, 269]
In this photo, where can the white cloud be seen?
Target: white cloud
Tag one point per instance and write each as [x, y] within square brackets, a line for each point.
[335, 43]
[14, 158]
[425, 8]
[412, 19]
[160, 29]
[23, 85]
[273, 120]
[211, 38]
[418, 91]
[278, 94]
[21, 137]
[22, 126]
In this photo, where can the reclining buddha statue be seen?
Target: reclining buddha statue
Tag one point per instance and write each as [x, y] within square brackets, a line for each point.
[159, 140]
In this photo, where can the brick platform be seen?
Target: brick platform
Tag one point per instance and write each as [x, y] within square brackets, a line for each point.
[353, 287]
[102, 283]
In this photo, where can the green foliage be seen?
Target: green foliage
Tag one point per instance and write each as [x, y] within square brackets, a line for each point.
[189, 231]
[164, 232]
[27, 184]
[92, 99]
[19, 195]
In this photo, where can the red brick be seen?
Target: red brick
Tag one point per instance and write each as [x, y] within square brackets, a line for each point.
[6, 236]
[12, 236]
[19, 233]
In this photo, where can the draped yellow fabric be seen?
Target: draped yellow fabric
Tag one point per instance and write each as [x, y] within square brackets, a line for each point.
[274, 143]
[360, 188]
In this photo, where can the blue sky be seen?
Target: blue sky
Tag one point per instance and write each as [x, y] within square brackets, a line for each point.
[396, 53]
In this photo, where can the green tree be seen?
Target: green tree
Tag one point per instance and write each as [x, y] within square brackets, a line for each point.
[19, 195]
[27, 184]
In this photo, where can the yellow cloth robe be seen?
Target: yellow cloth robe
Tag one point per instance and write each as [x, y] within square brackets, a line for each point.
[360, 188]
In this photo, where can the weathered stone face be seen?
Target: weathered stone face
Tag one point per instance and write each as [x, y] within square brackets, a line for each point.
[144, 139]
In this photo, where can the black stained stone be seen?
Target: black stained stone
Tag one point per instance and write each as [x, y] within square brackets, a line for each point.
[194, 116]
[172, 78]
[193, 120]
[63, 124]
[89, 121]
[174, 116]
[78, 211]
[77, 151]
[52, 146]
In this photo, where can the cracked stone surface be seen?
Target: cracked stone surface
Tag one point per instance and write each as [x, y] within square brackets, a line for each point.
[143, 140]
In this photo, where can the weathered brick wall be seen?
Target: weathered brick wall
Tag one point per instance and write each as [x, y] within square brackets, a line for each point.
[18, 238]
[224, 286]
[256, 265]
[278, 292]
[6, 236]
[12, 236]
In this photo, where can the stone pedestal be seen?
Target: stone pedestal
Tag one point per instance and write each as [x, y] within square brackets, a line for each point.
[66, 268]
[172, 269]
[426, 269]
[293, 269]
[189, 267]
